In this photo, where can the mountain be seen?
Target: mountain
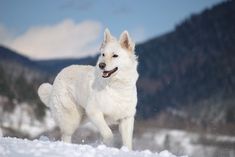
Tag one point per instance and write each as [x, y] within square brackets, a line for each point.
[187, 74]
[190, 65]
[20, 108]
[54, 66]
[47, 66]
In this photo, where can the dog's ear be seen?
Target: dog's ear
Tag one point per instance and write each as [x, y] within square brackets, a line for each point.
[126, 41]
[107, 38]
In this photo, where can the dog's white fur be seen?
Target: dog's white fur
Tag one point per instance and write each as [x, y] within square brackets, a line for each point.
[79, 89]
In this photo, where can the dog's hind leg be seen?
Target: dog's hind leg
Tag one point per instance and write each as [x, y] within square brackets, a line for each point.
[71, 122]
[68, 116]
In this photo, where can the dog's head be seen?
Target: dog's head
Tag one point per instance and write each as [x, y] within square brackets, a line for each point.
[116, 56]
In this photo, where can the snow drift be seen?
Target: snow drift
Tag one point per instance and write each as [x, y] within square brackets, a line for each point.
[13, 147]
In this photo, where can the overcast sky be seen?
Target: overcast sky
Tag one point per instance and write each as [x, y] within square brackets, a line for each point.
[45, 29]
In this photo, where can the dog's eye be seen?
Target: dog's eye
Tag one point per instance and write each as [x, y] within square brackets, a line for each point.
[115, 56]
[103, 54]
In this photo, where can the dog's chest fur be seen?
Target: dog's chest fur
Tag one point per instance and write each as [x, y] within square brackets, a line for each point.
[115, 103]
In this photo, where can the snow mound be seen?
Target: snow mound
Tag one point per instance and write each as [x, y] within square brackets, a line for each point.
[13, 147]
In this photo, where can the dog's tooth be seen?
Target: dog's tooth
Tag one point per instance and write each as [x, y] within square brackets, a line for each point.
[105, 74]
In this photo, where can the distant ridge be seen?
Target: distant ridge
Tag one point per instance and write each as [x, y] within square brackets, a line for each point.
[50, 66]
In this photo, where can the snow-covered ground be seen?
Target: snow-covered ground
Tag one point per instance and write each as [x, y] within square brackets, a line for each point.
[22, 120]
[13, 147]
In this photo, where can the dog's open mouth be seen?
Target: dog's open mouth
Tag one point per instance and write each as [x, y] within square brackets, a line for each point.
[107, 74]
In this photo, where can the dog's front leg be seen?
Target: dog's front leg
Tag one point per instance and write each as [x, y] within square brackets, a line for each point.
[126, 127]
[97, 119]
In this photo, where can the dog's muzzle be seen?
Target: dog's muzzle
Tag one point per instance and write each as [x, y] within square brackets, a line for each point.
[107, 74]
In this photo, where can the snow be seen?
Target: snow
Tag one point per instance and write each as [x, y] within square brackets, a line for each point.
[13, 147]
[182, 142]
[221, 138]
[23, 119]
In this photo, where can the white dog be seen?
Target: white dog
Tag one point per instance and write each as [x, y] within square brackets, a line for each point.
[106, 93]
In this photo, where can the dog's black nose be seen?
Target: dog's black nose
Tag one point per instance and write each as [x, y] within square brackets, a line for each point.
[102, 65]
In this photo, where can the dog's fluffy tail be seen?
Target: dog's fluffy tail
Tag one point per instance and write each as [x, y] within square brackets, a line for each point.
[44, 92]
